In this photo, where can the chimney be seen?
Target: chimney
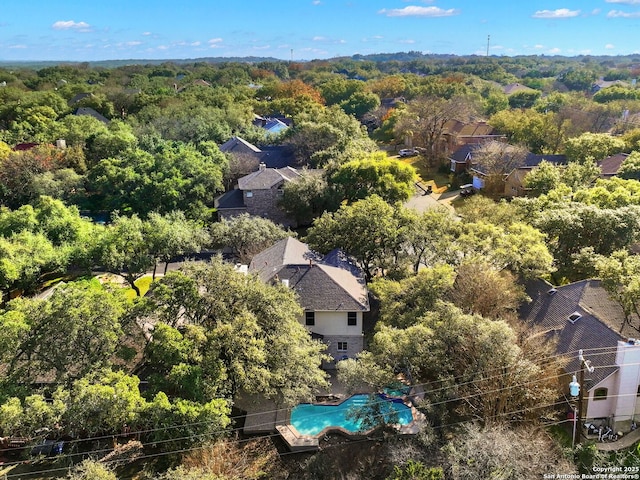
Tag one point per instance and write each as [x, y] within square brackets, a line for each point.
[262, 166]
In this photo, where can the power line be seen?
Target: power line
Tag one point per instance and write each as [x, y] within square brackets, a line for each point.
[183, 450]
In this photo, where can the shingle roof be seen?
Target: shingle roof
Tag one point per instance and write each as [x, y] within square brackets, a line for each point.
[319, 285]
[266, 178]
[549, 311]
[92, 113]
[231, 199]
[239, 145]
[610, 165]
[288, 251]
[516, 87]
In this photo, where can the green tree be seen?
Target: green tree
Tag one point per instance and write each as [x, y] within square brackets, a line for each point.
[374, 173]
[172, 235]
[592, 146]
[246, 235]
[330, 136]
[102, 402]
[523, 98]
[620, 274]
[403, 302]
[170, 177]
[429, 237]
[125, 249]
[542, 179]
[369, 230]
[308, 198]
[458, 356]
[539, 132]
[630, 168]
[254, 341]
[73, 332]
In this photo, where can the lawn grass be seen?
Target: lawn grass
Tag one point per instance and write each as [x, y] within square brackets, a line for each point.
[426, 174]
[143, 284]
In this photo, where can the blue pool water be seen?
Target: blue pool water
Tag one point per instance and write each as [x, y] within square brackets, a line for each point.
[311, 419]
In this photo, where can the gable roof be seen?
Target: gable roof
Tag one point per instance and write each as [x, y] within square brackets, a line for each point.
[288, 251]
[239, 145]
[516, 87]
[92, 113]
[592, 332]
[320, 285]
[610, 165]
[266, 178]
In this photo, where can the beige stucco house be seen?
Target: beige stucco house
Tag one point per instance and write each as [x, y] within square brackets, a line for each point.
[330, 288]
[582, 316]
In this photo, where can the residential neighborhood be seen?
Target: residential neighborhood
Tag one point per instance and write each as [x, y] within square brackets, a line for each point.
[372, 267]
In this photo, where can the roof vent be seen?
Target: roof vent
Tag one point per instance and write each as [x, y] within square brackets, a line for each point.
[574, 317]
[552, 291]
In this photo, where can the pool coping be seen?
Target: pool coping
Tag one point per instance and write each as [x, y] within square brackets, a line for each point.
[298, 442]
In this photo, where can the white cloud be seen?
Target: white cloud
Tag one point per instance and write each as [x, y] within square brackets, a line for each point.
[621, 14]
[146, 34]
[133, 44]
[195, 44]
[554, 51]
[71, 25]
[319, 39]
[559, 13]
[163, 47]
[18, 46]
[538, 46]
[626, 2]
[609, 46]
[408, 41]
[262, 47]
[316, 2]
[413, 11]
[214, 41]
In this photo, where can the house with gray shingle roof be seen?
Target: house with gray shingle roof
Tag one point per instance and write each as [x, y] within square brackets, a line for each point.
[259, 194]
[582, 316]
[331, 290]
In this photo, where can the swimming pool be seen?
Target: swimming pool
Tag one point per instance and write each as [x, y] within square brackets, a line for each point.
[312, 419]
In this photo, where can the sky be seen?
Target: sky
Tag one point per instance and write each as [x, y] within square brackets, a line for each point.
[81, 30]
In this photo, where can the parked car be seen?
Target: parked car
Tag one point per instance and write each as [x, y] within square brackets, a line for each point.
[407, 152]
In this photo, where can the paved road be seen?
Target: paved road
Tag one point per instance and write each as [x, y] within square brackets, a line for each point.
[421, 202]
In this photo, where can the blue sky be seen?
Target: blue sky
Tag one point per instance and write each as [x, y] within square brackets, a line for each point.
[80, 30]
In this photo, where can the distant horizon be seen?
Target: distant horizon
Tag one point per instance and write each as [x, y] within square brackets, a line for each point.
[306, 30]
[255, 58]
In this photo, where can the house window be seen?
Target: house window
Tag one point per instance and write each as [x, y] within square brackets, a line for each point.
[309, 318]
[600, 394]
[342, 346]
[638, 391]
[249, 193]
[280, 192]
[352, 318]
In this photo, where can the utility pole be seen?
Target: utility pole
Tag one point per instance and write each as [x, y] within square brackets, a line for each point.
[584, 364]
[488, 39]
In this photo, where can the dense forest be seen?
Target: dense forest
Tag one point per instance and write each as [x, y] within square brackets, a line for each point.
[109, 175]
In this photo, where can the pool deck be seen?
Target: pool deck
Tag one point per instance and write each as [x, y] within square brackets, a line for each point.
[265, 416]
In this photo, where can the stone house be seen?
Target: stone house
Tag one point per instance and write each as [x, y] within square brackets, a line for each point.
[259, 194]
